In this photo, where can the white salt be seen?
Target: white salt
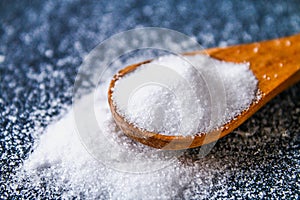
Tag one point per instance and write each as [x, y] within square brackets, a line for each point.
[80, 157]
[176, 95]
[49, 53]
[288, 43]
[65, 160]
[2, 58]
[265, 76]
[255, 50]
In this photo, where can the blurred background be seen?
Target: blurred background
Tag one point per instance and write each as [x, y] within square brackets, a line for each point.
[43, 43]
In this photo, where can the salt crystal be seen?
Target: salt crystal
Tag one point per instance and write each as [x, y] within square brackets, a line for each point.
[175, 95]
[288, 43]
[2, 58]
[255, 50]
[264, 76]
[49, 53]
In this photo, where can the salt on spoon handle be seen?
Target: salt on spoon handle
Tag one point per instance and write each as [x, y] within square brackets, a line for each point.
[275, 64]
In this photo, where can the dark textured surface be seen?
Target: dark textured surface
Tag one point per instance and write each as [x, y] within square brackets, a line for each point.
[43, 43]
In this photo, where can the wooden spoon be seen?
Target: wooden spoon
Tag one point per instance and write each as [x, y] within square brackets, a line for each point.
[275, 63]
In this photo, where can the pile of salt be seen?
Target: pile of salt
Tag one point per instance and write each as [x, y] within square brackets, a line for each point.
[175, 95]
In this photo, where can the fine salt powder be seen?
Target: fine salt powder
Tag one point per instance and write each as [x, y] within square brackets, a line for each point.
[100, 162]
[64, 162]
[175, 95]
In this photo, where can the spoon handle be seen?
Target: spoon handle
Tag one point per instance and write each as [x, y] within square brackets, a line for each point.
[275, 63]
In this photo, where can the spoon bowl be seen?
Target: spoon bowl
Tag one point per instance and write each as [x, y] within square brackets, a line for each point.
[275, 64]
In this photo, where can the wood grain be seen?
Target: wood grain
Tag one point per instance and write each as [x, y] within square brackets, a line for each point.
[275, 63]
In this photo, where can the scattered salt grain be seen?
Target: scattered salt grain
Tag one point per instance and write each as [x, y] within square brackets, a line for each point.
[288, 43]
[49, 53]
[2, 58]
[255, 50]
[176, 95]
[264, 76]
